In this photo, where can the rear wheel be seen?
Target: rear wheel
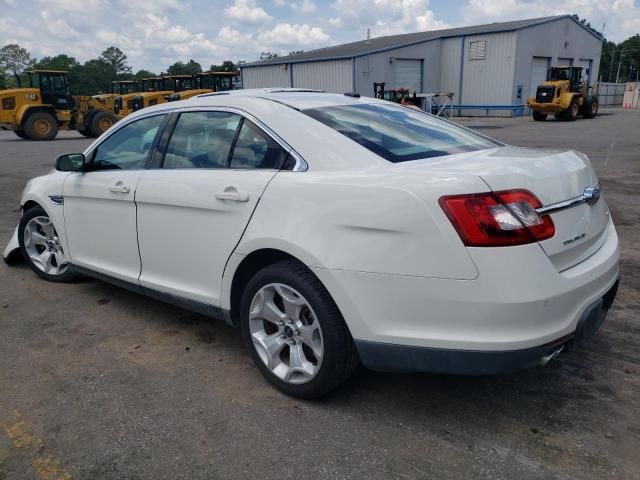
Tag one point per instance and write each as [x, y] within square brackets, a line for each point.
[295, 332]
[571, 113]
[101, 122]
[41, 126]
[538, 116]
[590, 108]
[84, 132]
[41, 248]
[21, 134]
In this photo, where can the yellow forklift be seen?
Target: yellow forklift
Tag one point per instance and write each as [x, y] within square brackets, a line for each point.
[206, 82]
[37, 112]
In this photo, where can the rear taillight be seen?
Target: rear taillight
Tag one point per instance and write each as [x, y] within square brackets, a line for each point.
[497, 219]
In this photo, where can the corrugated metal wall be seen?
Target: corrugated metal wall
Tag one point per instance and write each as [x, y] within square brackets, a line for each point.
[489, 81]
[450, 66]
[334, 76]
[265, 77]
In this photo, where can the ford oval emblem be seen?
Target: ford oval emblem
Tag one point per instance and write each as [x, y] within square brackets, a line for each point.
[592, 194]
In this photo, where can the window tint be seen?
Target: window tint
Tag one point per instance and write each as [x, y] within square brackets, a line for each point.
[128, 148]
[256, 149]
[201, 140]
[399, 134]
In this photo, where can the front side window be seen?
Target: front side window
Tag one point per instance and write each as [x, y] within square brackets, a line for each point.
[128, 148]
[202, 140]
[255, 149]
[399, 134]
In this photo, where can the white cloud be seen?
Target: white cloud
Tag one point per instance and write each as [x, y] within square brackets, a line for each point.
[8, 3]
[385, 17]
[158, 7]
[622, 17]
[302, 6]
[293, 36]
[247, 11]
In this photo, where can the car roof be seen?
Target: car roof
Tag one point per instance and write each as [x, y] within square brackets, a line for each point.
[298, 98]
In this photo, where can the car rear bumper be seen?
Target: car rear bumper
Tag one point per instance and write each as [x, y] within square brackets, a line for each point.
[390, 357]
[517, 309]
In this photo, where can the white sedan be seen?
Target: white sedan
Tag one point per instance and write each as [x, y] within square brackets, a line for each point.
[334, 230]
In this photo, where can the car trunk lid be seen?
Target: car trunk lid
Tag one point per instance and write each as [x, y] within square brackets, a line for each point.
[554, 176]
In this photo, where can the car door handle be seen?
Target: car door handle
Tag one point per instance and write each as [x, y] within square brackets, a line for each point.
[119, 187]
[232, 195]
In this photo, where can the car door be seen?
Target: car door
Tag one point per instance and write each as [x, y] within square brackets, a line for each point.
[99, 208]
[193, 209]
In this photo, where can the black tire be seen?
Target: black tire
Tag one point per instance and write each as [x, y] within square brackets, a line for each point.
[538, 116]
[571, 113]
[590, 108]
[340, 358]
[86, 133]
[41, 126]
[21, 134]
[101, 122]
[30, 214]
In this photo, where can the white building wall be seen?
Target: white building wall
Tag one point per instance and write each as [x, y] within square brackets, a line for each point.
[489, 81]
[265, 77]
[335, 76]
[450, 56]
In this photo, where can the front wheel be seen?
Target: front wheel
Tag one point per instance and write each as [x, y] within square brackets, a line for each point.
[571, 113]
[538, 116]
[41, 248]
[41, 126]
[101, 122]
[295, 332]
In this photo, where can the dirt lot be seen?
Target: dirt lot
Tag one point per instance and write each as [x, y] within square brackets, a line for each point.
[98, 383]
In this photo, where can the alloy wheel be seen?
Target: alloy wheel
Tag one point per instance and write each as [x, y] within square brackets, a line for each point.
[286, 333]
[43, 246]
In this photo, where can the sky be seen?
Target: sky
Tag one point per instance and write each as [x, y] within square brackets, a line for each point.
[156, 33]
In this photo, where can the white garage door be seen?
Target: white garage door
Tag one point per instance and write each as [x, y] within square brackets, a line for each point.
[586, 65]
[408, 74]
[539, 67]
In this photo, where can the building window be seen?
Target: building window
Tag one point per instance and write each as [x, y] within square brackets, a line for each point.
[477, 50]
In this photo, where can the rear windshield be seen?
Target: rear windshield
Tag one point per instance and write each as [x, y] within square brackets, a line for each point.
[399, 134]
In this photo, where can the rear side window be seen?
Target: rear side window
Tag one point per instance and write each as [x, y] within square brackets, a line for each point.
[399, 134]
[255, 149]
[202, 140]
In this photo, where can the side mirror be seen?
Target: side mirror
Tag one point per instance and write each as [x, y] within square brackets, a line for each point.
[70, 162]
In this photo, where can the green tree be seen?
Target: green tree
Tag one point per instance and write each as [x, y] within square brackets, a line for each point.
[226, 66]
[140, 74]
[59, 62]
[268, 55]
[180, 68]
[296, 52]
[14, 60]
[116, 60]
[94, 76]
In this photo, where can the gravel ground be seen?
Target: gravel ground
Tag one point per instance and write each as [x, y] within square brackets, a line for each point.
[98, 383]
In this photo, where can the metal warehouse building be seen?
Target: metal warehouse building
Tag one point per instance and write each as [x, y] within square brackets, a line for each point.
[495, 64]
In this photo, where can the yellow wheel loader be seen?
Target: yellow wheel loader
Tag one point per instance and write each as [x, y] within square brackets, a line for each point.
[205, 82]
[565, 95]
[154, 91]
[40, 110]
[96, 114]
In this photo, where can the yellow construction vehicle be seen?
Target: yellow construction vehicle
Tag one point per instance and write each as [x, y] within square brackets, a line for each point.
[39, 111]
[154, 91]
[97, 114]
[565, 95]
[205, 82]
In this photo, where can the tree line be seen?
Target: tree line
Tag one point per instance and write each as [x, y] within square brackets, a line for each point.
[92, 76]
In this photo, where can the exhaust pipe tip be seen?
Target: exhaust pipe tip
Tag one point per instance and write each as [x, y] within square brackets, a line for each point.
[550, 356]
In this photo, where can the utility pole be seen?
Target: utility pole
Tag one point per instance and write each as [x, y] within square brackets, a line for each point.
[619, 64]
[613, 55]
